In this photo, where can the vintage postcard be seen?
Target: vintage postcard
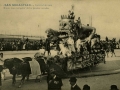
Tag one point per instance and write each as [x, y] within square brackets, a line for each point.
[59, 44]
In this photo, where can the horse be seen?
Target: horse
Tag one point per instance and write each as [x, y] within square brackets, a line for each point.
[18, 66]
[109, 48]
[112, 50]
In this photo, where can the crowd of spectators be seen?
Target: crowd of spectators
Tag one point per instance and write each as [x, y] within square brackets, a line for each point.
[53, 78]
[18, 44]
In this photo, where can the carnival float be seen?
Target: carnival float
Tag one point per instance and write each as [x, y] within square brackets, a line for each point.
[87, 52]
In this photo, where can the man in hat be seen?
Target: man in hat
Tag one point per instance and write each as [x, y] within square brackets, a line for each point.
[54, 82]
[86, 87]
[114, 87]
[74, 86]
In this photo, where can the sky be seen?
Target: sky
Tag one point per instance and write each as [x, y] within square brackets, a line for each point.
[28, 21]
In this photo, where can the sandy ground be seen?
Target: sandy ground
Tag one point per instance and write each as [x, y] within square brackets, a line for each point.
[96, 83]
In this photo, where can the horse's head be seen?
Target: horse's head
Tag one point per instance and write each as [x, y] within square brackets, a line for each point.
[8, 63]
[27, 59]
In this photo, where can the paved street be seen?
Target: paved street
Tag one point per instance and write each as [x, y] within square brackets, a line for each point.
[96, 83]
[109, 71]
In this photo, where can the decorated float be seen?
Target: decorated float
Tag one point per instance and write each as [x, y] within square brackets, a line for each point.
[91, 52]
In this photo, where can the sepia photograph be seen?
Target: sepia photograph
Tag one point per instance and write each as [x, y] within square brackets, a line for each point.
[59, 45]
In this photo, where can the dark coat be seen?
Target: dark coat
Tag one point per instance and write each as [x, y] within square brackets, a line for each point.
[47, 46]
[75, 88]
[55, 84]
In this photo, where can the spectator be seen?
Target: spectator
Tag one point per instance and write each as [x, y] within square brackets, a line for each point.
[74, 86]
[86, 87]
[114, 87]
[54, 82]
[16, 44]
[47, 46]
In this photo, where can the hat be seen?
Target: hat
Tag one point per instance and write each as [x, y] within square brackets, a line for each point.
[73, 79]
[86, 87]
[114, 87]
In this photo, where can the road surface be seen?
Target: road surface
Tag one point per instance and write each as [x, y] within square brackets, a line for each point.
[95, 82]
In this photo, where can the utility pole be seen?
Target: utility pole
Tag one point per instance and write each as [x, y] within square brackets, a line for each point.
[39, 28]
[72, 9]
[90, 20]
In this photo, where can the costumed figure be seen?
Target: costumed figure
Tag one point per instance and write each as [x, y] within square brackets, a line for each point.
[70, 43]
[47, 46]
[64, 50]
[78, 45]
